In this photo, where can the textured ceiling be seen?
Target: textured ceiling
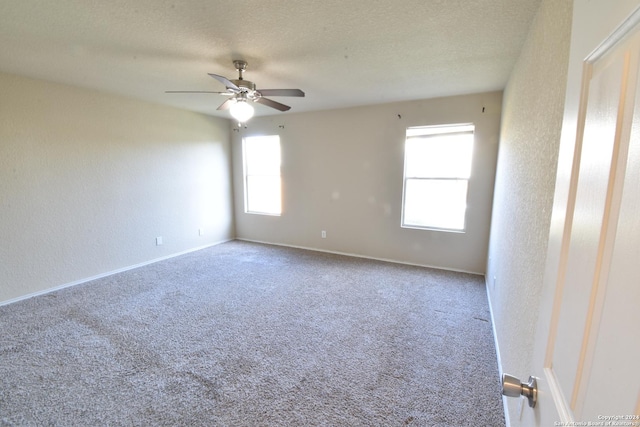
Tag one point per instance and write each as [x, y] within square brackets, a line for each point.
[341, 53]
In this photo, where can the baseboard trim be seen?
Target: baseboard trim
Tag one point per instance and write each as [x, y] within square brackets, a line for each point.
[360, 256]
[497, 345]
[108, 273]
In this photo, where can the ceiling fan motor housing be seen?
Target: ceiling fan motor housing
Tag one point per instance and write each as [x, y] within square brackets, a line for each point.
[244, 85]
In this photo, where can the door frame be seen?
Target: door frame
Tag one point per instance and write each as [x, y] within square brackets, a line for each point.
[597, 26]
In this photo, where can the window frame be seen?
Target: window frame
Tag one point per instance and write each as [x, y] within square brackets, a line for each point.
[246, 175]
[429, 132]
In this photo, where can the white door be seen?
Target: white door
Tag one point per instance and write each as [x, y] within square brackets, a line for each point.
[589, 340]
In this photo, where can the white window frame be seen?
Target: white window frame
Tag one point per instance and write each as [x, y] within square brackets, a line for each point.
[267, 173]
[458, 179]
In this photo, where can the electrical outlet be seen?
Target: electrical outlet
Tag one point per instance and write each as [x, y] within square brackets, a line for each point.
[200, 232]
[159, 241]
[324, 234]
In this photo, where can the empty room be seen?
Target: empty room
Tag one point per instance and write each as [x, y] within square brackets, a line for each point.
[278, 213]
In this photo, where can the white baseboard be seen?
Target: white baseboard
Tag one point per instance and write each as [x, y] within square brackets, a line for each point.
[359, 256]
[108, 273]
[496, 343]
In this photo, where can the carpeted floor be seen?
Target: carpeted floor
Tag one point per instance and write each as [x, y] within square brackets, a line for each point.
[243, 334]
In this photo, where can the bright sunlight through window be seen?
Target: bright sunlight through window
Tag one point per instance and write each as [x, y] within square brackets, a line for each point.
[262, 175]
[437, 167]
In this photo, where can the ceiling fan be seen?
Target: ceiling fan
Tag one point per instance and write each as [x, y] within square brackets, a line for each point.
[242, 91]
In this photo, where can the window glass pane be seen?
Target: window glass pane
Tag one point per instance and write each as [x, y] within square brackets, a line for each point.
[263, 194]
[441, 156]
[262, 174]
[437, 170]
[435, 203]
[262, 155]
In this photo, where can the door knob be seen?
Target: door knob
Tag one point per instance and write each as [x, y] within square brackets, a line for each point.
[512, 387]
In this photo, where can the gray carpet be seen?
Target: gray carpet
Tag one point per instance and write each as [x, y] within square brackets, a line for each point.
[244, 334]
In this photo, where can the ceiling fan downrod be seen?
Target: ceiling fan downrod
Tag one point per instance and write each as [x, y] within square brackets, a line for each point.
[241, 66]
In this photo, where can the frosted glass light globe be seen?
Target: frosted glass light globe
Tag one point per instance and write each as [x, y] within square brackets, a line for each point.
[241, 111]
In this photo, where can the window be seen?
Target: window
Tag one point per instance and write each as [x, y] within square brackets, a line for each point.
[437, 167]
[262, 175]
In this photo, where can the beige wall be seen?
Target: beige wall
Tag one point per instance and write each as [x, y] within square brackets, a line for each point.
[342, 172]
[88, 180]
[529, 142]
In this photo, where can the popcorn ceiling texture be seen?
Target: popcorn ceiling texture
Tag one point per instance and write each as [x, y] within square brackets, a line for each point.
[340, 53]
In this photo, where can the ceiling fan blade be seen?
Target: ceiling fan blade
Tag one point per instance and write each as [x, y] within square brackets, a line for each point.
[226, 104]
[281, 92]
[225, 81]
[196, 91]
[273, 104]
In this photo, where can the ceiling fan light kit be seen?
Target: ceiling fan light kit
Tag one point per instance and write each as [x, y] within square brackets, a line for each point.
[243, 91]
[242, 111]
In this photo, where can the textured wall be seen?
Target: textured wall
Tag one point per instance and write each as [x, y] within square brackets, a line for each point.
[529, 140]
[88, 180]
[342, 172]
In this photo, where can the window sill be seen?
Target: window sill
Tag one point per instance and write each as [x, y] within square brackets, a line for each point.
[446, 230]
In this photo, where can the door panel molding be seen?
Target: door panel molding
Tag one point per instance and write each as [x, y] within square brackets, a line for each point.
[622, 46]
